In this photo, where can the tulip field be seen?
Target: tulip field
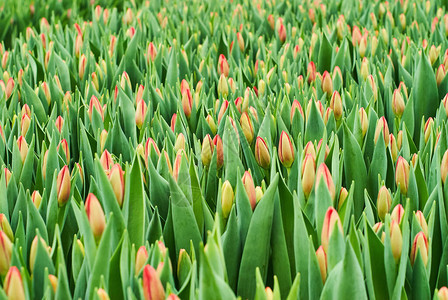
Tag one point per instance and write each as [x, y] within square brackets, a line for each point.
[258, 149]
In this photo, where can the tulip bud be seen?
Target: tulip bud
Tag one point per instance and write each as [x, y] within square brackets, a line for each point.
[398, 105]
[397, 213]
[322, 261]
[336, 105]
[422, 222]
[211, 123]
[13, 285]
[82, 66]
[364, 121]
[177, 164]
[95, 104]
[217, 142]
[65, 149]
[308, 174]
[187, 102]
[8, 175]
[383, 202]
[222, 110]
[311, 72]
[258, 193]
[117, 182]
[343, 194]
[246, 126]
[226, 198]
[223, 87]
[324, 172]
[393, 147]
[151, 146]
[396, 240]
[23, 148]
[249, 186]
[152, 286]
[442, 294]
[327, 83]
[140, 259]
[285, 150]
[151, 52]
[59, 123]
[282, 33]
[420, 244]
[36, 198]
[223, 66]
[25, 124]
[180, 142]
[106, 161]
[103, 139]
[95, 215]
[261, 87]
[240, 40]
[402, 174]
[9, 87]
[140, 113]
[330, 221]
[440, 74]
[428, 128]
[262, 155]
[381, 126]
[63, 186]
[5, 253]
[207, 150]
[296, 107]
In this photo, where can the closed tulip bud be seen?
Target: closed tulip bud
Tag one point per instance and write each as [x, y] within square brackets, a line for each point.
[402, 175]
[327, 83]
[33, 251]
[78, 45]
[239, 104]
[207, 150]
[383, 202]
[311, 72]
[240, 40]
[211, 123]
[261, 87]
[95, 104]
[9, 87]
[223, 87]
[5, 59]
[151, 146]
[106, 161]
[398, 103]
[173, 297]
[59, 123]
[433, 54]
[5, 253]
[393, 147]
[442, 294]
[399, 139]
[222, 110]
[140, 259]
[140, 113]
[232, 85]
[36, 198]
[102, 294]
[95, 215]
[322, 261]
[65, 149]
[63, 186]
[151, 52]
[363, 46]
[440, 75]
[25, 124]
[285, 150]
[53, 281]
[82, 66]
[8, 175]
[308, 174]
[262, 155]
[364, 120]
[296, 107]
[397, 213]
[227, 196]
[103, 139]
[324, 172]
[223, 66]
[420, 244]
[396, 240]
[180, 142]
[422, 222]
[282, 33]
[364, 70]
[258, 193]
[331, 220]
[116, 180]
[13, 285]
[428, 128]
[152, 286]
[177, 164]
[343, 194]
[217, 142]
[336, 105]
[381, 126]
[444, 167]
[23, 148]
[187, 102]
[246, 126]
[249, 186]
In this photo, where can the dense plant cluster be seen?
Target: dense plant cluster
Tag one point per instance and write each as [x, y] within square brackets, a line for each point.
[223, 149]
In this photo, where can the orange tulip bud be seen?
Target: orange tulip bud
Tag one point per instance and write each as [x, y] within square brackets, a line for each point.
[285, 150]
[63, 186]
[95, 215]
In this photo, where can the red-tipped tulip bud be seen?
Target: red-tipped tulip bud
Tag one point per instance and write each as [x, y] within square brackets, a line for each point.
[173, 122]
[82, 66]
[398, 105]
[207, 150]
[36, 198]
[152, 52]
[246, 126]
[422, 222]
[187, 102]
[402, 175]
[177, 164]
[25, 124]
[440, 75]
[442, 294]
[428, 128]
[13, 285]
[249, 186]
[59, 123]
[5, 253]
[327, 83]
[173, 297]
[311, 72]
[396, 240]
[322, 260]
[65, 148]
[140, 113]
[336, 105]
[282, 33]
[9, 87]
[444, 167]
[140, 259]
[223, 87]
[308, 174]
[397, 213]
[116, 180]
[383, 202]
[217, 142]
[420, 244]
[223, 66]
[296, 107]
[106, 161]
[33, 251]
[95, 104]
[285, 150]
[393, 147]
[152, 286]
[23, 148]
[222, 110]
[331, 220]
[226, 198]
[324, 172]
[240, 40]
[103, 139]
[63, 185]
[262, 155]
[95, 215]
[381, 126]
[180, 142]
